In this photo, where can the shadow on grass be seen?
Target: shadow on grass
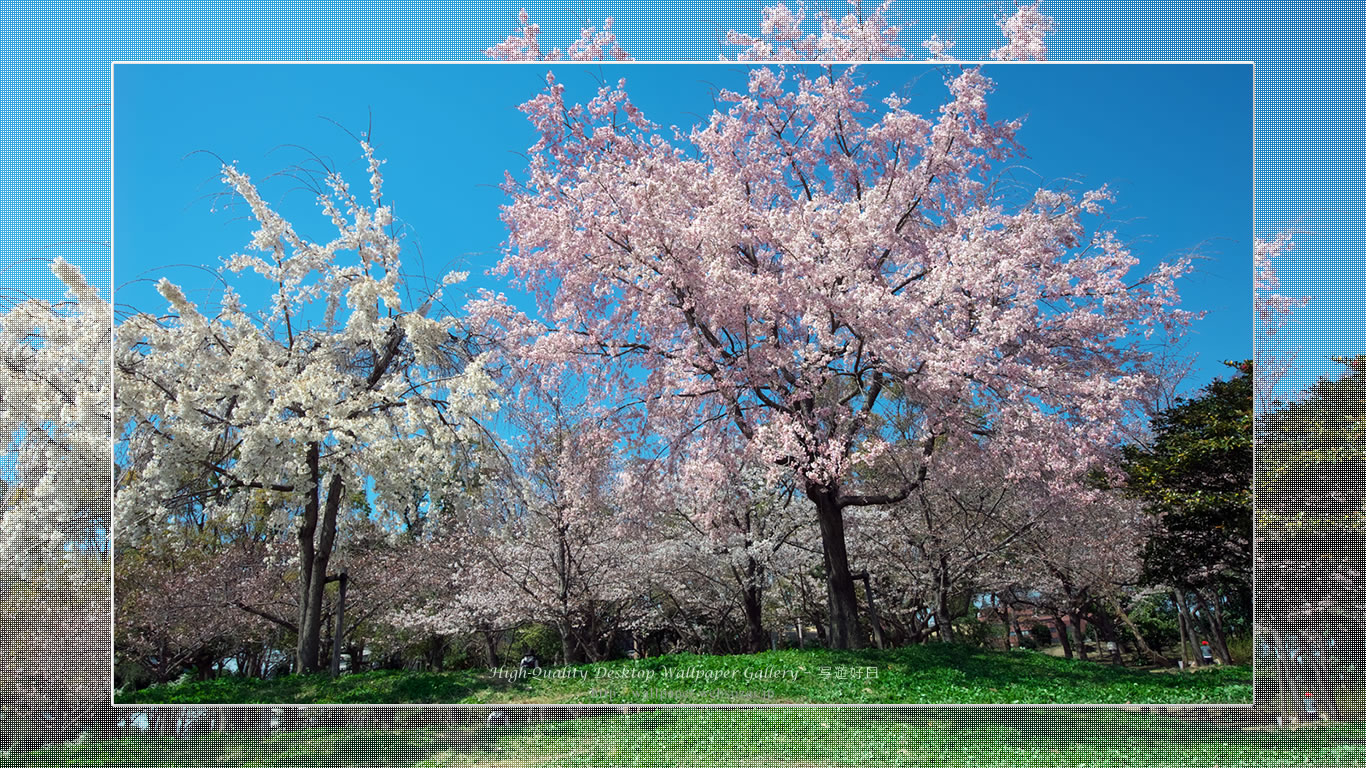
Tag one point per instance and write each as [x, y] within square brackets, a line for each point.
[921, 674]
[307, 748]
[373, 687]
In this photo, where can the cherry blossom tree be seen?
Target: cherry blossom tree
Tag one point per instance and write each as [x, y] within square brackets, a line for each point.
[386, 570]
[54, 681]
[54, 512]
[951, 540]
[564, 544]
[777, 269]
[855, 36]
[524, 45]
[174, 610]
[342, 383]
[1082, 558]
[54, 422]
[852, 37]
[1273, 312]
[728, 544]
[1024, 31]
[720, 526]
[860, 36]
[459, 593]
[547, 540]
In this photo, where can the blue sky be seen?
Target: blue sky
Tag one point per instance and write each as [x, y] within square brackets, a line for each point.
[1174, 142]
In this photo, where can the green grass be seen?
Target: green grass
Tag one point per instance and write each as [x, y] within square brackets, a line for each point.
[758, 738]
[935, 674]
[309, 748]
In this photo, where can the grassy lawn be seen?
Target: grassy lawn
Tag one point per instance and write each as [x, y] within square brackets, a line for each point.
[311, 748]
[889, 738]
[934, 674]
[758, 738]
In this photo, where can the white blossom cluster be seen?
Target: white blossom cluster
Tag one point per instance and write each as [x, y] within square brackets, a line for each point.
[221, 411]
[54, 425]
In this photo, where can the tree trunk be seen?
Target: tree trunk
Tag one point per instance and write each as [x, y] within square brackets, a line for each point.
[436, 653]
[313, 560]
[1062, 636]
[490, 648]
[570, 647]
[1285, 699]
[872, 610]
[341, 625]
[1216, 627]
[1107, 632]
[1326, 698]
[1182, 631]
[943, 614]
[1184, 610]
[1002, 613]
[356, 651]
[1138, 637]
[308, 526]
[1223, 632]
[169, 723]
[1079, 624]
[754, 618]
[843, 632]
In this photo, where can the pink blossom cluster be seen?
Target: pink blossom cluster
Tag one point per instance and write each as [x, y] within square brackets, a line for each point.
[852, 37]
[1024, 31]
[783, 36]
[1272, 309]
[592, 45]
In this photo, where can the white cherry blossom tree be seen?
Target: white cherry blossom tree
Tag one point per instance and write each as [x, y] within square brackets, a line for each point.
[343, 382]
[54, 512]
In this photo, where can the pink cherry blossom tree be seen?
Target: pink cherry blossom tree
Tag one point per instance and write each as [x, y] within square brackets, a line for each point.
[779, 268]
[458, 593]
[720, 527]
[524, 44]
[1024, 31]
[566, 543]
[951, 539]
[548, 540]
[1273, 312]
[174, 611]
[858, 35]
[55, 644]
[1082, 560]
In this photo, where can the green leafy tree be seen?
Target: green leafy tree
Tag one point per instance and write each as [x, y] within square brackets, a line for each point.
[1313, 454]
[1311, 547]
[1196, 477]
